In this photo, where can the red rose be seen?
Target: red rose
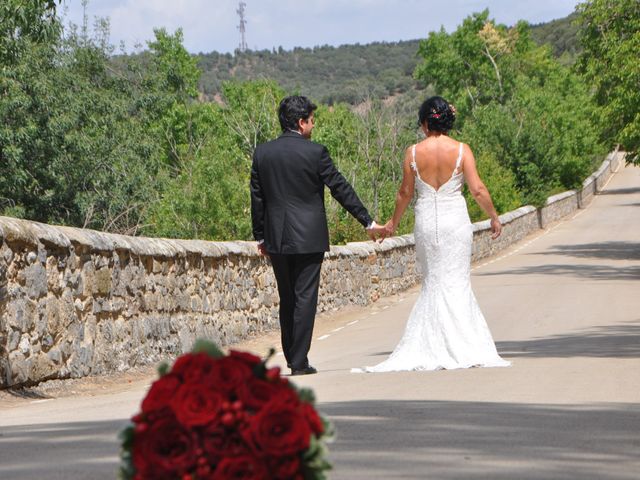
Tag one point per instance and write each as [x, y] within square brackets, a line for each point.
[241, 468]
[314, 420]
[256, 393]
[228, 373]
[193, 367]
[160, 393]
[164, 450]
[249, 359]
[286, 468]
[218, 442]
[286, 394]
[196, 404]
[279, 429]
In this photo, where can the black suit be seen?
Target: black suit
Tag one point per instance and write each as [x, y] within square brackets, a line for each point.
[288, 176]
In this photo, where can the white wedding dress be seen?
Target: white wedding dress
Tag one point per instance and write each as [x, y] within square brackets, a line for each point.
[446, 329]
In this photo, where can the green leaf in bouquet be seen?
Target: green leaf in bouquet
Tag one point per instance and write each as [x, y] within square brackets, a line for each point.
[126, 471]
[163, 369]
[271, 353]
[307, 395]
[315, 460]
[313, 474]
[126, 436]
[314, 449]
[329, 429]
[260, 370]
[208, 347]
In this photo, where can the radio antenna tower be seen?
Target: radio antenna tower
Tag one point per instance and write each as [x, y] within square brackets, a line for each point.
[242, 27]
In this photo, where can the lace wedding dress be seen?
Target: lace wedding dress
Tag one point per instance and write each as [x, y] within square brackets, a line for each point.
[446, 328]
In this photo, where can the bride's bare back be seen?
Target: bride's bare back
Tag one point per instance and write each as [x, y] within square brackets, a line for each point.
[436, 160]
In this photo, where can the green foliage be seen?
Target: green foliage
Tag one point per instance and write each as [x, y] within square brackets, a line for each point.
[74, 142]
[561, 35]
[175, 70]
[500, 181]
[83, 139]
[208, 148]
[521, 109]
[367, 146]
[610, 38]
[329, 74]
[23, 23]
[127, 144]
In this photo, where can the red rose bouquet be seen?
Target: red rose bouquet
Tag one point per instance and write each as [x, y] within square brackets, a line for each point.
[214, 416]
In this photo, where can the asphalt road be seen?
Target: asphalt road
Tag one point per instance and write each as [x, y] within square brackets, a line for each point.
[564, 308]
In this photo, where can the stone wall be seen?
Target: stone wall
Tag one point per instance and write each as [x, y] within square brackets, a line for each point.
[77, 302]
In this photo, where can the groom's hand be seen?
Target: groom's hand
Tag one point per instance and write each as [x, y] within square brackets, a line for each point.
[376, 232]
[262, 250]
[372, 230]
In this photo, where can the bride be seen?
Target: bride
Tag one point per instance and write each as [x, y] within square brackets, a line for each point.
[446, 328]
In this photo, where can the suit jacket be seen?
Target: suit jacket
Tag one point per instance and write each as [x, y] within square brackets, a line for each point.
[288, 176]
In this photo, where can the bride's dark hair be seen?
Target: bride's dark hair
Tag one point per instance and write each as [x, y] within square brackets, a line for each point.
[438, 114]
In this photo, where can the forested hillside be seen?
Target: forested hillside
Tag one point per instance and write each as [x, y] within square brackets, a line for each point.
[328, 74]
[130, 145]
[561, 34]
[349, 73]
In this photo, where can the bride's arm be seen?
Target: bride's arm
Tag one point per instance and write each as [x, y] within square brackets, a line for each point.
[404, 195]
[479, 190]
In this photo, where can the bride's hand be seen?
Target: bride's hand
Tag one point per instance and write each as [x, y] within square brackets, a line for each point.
[389, 229]
[496, 228]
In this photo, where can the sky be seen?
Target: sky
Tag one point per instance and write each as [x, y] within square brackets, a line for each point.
[213, 24]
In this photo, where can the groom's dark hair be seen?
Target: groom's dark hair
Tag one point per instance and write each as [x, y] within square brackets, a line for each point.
[292, 109]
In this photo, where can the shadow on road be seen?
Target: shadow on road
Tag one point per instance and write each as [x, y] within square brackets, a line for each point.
[83, 450]
[610, 341]
[390, 440]
[609, 250]
[620, 191]
[589, 272]
[471, 440]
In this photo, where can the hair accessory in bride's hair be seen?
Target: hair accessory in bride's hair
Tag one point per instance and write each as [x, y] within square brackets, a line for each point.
[453, 109]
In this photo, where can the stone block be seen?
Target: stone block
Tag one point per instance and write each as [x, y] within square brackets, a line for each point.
[31, 258]
[88, 278]
[52, 311]
[36, 281]
[21, 314]
[55, 356]
[18, 368]
[42, 367]
[102, 285]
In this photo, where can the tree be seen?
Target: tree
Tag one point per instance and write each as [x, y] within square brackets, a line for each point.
[517, 105]
[610, 37]
[209, 149]
[23, 22]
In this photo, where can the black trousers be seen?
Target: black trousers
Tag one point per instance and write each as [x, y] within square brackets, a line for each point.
[298, 278]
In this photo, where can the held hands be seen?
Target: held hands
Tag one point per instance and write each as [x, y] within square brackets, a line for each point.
[380, 232]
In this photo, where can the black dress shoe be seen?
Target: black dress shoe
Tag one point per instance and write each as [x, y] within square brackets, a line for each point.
[309, 370]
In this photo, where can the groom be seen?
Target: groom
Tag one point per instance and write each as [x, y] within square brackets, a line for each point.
[288, 176]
